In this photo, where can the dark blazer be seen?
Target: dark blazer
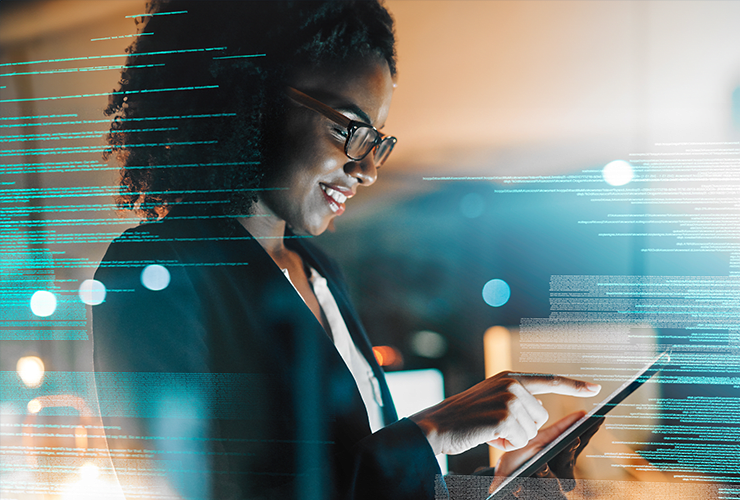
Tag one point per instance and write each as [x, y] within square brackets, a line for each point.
[273, 409]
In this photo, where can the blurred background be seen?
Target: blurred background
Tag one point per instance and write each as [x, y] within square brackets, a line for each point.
[537, 139]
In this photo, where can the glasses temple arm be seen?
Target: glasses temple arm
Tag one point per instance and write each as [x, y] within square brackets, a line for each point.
[318, 106]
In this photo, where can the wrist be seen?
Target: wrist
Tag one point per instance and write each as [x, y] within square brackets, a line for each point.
[429, 430]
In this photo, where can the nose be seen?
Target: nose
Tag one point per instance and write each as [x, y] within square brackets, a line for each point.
[364, 170]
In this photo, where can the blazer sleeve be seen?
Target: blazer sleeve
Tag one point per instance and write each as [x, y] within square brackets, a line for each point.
[399, 464]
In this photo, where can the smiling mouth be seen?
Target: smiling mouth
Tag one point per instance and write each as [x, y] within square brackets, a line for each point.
[335, 199]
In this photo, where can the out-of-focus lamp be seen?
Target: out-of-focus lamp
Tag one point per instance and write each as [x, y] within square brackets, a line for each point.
[497, 358]
[31, 371]
[388, 356]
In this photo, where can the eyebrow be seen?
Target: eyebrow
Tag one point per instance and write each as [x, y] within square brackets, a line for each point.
[354, 109]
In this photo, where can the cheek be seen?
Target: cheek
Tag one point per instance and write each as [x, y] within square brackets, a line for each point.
[317, 162]
[308, 155]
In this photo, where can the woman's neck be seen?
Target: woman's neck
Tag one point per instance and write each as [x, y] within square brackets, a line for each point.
[267, 228]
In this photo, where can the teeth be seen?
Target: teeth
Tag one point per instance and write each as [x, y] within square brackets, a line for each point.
[336, 195]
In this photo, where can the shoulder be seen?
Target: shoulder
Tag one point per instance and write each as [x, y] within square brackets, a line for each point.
[174, 237]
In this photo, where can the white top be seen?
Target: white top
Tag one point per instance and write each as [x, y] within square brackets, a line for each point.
[363, 374]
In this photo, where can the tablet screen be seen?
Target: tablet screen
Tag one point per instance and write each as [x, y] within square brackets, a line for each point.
[582, 425]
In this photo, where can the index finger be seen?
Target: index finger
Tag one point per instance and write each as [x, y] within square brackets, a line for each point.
[539, 383]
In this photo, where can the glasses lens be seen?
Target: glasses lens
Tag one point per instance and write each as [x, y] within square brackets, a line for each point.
[361, 142]
[383, 151]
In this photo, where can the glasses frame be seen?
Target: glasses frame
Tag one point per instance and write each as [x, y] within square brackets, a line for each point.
[351, 125]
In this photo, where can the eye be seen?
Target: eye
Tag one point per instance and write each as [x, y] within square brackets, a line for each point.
[340, 133]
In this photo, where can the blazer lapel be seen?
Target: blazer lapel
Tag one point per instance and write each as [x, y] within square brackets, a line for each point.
[351, 318]
[265, 273]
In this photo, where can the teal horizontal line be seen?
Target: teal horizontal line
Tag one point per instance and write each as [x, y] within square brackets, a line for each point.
[119, 36]
[34, 117]
[97, 166]
[62, 208]
[76, 192]
[109, 56]
[116, 189]
[145, 91]
[104, 190]
[235, 57]
[107, 120]
[81, 69]
[50, 163]
[75, 135]
[159, 14]
[95, 149]
[458, 178]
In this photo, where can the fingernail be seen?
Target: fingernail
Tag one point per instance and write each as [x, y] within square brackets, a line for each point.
[593, 387]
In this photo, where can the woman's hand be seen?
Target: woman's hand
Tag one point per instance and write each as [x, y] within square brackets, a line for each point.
[560, 467]
[501, 411]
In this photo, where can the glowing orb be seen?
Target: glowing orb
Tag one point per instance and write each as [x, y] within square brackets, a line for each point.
[92, 292]
[31, 370]
[43, 303]
[496, 292]
[618, 173]
[155, 277]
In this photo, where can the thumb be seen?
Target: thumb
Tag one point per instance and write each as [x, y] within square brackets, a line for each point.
[549, 433]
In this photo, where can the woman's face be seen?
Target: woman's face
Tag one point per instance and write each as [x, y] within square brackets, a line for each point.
[313, 171]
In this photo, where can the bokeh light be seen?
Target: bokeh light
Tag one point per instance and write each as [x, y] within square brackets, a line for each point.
[618, 173]
[388, 356]
[31, 370]
[92, 292]
[496, 292]
[89, 471]
[34, 406]
[428, 344]
[155, 277]
[43, 303]
[91, 485]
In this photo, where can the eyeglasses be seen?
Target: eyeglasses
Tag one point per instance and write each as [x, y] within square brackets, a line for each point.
[361, 137]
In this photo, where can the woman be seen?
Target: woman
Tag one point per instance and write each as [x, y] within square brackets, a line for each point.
[244, 129]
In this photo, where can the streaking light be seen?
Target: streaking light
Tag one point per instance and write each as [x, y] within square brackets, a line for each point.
[496, 292]
[31, 370]
[92, 292]
[43, 303]
[155, 277]
[618, 173]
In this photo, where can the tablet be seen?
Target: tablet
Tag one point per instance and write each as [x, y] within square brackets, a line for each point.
[582, 425]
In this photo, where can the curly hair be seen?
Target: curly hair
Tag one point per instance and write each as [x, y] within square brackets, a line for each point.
[196, 117]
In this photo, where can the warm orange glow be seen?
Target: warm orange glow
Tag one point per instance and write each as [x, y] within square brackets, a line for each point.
[497, 357]
[31, 370]
[378, 355]
[388, 356]
[497, 350]
[80, 437]
[34, 406]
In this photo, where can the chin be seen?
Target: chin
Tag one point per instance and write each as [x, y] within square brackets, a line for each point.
[320, 230]
[313, 230]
